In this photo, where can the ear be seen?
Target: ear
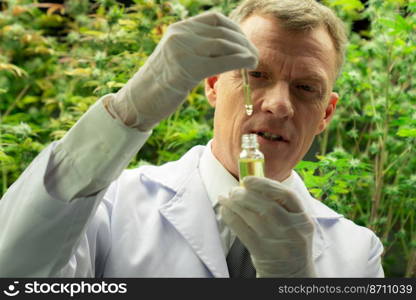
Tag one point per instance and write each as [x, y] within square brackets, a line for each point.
[210, 89]
[329, 112]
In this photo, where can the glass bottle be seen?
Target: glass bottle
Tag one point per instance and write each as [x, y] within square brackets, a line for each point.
[251, 161]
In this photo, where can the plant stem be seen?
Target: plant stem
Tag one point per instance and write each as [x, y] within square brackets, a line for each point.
[3, 165]
[324, 142]
[381, 158]
[379, 181]
[398, 158]
[388, 222]
[411, 264]
[14, 103]
[4, 178]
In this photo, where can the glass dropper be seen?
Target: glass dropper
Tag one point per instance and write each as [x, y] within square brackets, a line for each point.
[247, 94]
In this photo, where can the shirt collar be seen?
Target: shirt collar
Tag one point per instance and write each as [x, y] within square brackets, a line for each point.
[217, 180]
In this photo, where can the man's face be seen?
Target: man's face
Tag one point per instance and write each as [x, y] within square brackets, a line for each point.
[291, 91]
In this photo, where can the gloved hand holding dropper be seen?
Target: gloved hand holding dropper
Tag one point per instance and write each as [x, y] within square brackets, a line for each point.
[190, 51]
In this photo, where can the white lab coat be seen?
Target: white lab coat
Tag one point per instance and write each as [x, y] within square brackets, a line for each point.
[159, 222]
[151, 222]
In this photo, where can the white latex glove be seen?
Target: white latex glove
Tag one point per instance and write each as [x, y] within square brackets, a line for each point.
[270, 221]
[190, 51]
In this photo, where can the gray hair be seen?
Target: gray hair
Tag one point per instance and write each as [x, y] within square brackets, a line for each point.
[298, 15]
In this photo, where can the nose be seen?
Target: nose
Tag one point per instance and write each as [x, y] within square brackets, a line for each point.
[277, 101]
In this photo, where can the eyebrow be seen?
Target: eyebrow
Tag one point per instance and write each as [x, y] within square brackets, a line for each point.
[308, 74]
[262, 65]
[314, 76]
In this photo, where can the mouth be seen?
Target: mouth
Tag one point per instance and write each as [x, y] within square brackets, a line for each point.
[271, 136]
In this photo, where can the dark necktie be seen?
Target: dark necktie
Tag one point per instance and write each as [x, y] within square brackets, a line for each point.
[239, 261]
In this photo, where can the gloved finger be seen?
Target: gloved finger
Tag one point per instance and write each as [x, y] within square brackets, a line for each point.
[213, 66]
[267, 217]
[208, 47]
[238, 225]
[251, 216]
[278, 216]
[249, 200]
[287, 249]
[218, 65]
[219, 32]
[285, 267]
[215, 19]
[284, 248]
[274, 191]
[260, 204]
[272, 246]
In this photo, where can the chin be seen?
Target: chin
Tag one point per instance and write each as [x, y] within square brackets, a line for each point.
[276, 171]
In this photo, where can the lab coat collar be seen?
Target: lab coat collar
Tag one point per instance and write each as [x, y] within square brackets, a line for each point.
[315, 208]
[321, 215]
[194, 217]
[190, 211]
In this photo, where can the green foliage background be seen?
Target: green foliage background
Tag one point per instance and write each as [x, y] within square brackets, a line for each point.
[58, 59]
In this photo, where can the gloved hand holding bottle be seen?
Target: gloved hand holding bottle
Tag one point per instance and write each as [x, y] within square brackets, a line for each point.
[190, 51]
[270, 221]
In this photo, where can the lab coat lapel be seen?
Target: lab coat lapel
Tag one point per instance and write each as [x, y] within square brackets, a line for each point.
[324, 218]
[320, 243]
[321, 215]
[191, 213]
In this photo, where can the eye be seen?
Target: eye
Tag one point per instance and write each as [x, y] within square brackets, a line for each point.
[306, 88]
[256, 74]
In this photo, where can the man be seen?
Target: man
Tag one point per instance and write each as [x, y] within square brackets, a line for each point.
[72, 214]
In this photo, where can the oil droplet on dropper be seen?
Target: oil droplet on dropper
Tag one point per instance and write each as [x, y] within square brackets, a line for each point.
[249, 109]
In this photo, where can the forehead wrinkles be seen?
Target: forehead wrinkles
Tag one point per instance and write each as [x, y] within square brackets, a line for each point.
[273, 40]
[266, 28]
